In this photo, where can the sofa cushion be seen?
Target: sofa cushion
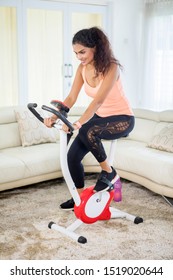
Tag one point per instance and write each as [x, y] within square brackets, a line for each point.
[10, 136]
[7, 115]
[12, 168]
[163, 140]
[34, 160]
[32, 131]
[137, 158]
[143, 130]
[9, 132]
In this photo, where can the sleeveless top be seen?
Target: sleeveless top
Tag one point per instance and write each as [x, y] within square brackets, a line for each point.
[115, 103]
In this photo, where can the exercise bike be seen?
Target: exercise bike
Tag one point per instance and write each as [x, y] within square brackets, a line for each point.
[90, 206]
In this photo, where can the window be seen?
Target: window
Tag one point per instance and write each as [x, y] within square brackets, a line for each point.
[44, 55]
[164, 63]
[36, 57]
[157, 82]
[8, 57]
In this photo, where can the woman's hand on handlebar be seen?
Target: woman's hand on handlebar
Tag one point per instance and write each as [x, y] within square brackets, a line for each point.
[66, 128]
[49, 122]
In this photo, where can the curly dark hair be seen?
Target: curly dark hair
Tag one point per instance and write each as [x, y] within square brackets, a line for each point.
[95, 37]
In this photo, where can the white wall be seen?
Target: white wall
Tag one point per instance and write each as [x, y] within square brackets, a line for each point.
[127, 17]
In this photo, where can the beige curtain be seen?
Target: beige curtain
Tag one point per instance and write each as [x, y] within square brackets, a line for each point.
[8, 57]
[44, 55]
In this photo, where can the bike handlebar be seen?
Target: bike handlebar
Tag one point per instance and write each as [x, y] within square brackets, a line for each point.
[32, 106]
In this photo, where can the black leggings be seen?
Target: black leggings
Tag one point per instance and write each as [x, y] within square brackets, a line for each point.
[89, 140]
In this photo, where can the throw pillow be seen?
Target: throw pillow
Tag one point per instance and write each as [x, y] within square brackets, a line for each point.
[32, 131]
[163, 140]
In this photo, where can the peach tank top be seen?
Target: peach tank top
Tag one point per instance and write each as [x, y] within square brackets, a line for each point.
[115, 103]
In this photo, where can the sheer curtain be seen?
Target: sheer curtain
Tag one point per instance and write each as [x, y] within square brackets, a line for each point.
[157, 75]
[45, 55]
[8, 57]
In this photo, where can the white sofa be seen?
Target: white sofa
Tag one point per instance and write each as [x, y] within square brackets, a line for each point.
[23, 163]
[146, 156]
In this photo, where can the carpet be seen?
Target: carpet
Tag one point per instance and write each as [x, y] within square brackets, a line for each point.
[26, 212]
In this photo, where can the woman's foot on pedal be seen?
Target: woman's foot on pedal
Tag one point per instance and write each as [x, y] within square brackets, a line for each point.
[68, 205]
[105, 181]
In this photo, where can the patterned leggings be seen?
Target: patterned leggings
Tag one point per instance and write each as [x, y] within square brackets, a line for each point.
[89, 140]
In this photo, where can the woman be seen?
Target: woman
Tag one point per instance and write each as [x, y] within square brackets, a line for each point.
[108, 116]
